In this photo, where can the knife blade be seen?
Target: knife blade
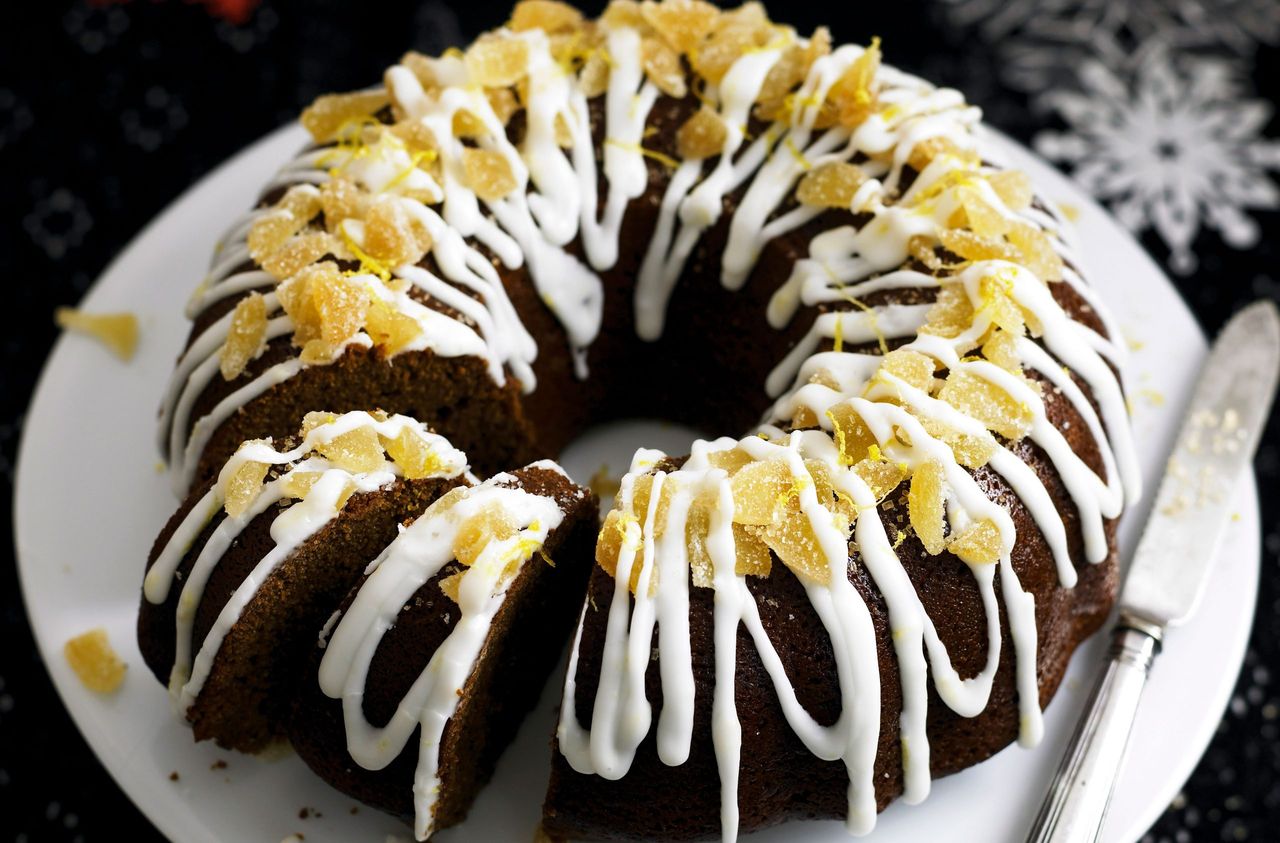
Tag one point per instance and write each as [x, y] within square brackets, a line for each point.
[1214, 449]
[1172, 564]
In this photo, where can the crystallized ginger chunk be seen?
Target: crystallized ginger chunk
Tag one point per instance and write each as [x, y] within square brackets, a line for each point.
[702, 135]
[978, 544]
[926, 504]
[243, 487]
[880, 475]
[413, 455]
[970, 450]
[326, 118]
[974, 247]
[95, 662]
[911, 366]
[662, 65]
[496, 61]
[341, 199]
[853, 93]
[341, 304]
[759, 490]
[951, 313]
[117, 331]
[737, 31]
[392, 236]
[391, 330]
[547, 15]
[297, 484]
[272, 229]
[682, 23]
[641, 493]
[492, 523]
[1036, 251]
[853, 437]
[1013, 187]
[753, 558]
[488, 173]
[830, 185]
[356, 451]
[983, 219]
[794, 541]
[996, 294]
[298, 252]
[982, 400]
[245, 336]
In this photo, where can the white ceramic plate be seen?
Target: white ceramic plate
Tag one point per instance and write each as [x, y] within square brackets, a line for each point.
[90, 499]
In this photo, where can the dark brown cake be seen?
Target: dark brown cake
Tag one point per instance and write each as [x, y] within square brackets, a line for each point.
[697, 214]
[523, 646]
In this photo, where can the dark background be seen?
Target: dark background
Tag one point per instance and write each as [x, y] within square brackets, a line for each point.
[108, 111]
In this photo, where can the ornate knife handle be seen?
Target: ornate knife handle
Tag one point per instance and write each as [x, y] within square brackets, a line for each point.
[1076, 805]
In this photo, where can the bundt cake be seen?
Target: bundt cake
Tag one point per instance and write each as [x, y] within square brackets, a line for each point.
[699, 214]
[297, 584]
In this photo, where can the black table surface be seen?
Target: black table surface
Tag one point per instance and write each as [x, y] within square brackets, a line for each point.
[1163, 109]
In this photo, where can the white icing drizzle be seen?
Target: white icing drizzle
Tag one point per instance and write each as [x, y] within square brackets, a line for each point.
[418, 554]
[294, 525]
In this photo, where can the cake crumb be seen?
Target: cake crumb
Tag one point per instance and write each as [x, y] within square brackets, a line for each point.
[95, 662]
[220, 764]
[173, 776]
[304, 813]
[117, 331]
[355, 809]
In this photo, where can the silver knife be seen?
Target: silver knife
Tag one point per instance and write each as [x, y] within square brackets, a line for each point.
[1171, 566]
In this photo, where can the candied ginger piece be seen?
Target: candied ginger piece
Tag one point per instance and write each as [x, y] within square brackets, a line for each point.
[594, 77]
[621, 530]
[641, 493]
[1013, 187]
[788, 73]
[794, 541]
[488, 173]
[697, 527]
[330, 114]
[926, 505]
[978, 544]
[244, 486]
[392, 236]
[503, 102]
[911, 366]
[290, 215]
[730, 459]
[492, 523]
[1036, 251]
[970, 450]
[853, 91]
[547, 15]
[737, 31]
[830, 185]
[881, 475]
[662, 65]
[412, 454]
[985, 220]
[319, 352]
[94, 661]
[995, 291]
[987, 403]
[391, 330]
[341, 304]
[702, 135]
[803, 418]
[923, 153]
[295, 297]
[452, 585]
[951, 313]
[1001, 348]
[422, 67]
[245, 336]
[314, 419]
[299, 251]
[683, 23]
[497, 61]
[297, 484]
[341, 199]
[759, 489]
[357, 451]
[117, 331]
[753, 557]
[974, 247]
[853, 437]
[922, 249]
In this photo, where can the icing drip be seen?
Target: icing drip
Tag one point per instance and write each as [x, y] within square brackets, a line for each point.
[318, 504]
[417, 555]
